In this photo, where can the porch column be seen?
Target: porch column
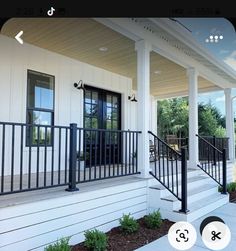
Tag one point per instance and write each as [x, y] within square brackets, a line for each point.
[229, 121]
[193, 117]
[143, 49]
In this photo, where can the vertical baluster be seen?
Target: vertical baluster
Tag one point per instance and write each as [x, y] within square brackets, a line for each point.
[3, 158]
[29, 163]
[12, 157]
[109, 154]
[95, 161]
[163, 162]
[136, 152]
[118, 153]
[129, 152]
[21, 155]
[126, 152]
[52, 155]
[172, 170]
[66, 153]
[218, 166]
[85, 150]
[90, 155]
[52, 160]
[176, 173]
[45, 156]
[159, 159]
[105, 153]
[100, 154]
[114, 149]
[79, 154]
[59, 157]
[167, 159]
[37, 163]
[133, 150]
[155, 155]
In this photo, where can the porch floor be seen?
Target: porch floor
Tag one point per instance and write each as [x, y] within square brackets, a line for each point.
[58, 192]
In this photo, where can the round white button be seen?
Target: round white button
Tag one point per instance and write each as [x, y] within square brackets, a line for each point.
[182, 235]
[216, 235]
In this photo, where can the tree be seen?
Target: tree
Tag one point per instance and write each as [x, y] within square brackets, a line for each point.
[172, 117]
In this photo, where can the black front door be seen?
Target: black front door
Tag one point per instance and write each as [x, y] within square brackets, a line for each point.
[102, 110]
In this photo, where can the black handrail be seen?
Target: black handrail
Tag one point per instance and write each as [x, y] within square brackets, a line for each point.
[170, 168]
[214, 163]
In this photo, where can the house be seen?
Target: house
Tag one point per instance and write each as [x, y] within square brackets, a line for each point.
[68, 120]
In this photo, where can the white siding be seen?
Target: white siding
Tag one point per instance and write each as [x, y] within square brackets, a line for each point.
[31, 226]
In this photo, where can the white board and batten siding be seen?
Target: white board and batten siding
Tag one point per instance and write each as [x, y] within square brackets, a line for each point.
[31, 226]
[16, 59]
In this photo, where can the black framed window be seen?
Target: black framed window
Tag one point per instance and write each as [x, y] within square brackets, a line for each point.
[40, 108]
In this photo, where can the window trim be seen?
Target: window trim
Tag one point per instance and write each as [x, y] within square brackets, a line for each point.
[52, 111]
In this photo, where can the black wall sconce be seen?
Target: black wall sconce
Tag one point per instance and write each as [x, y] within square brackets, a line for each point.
[132, 98]
[79, 85]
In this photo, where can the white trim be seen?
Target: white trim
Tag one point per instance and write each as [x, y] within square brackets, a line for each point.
[183, 36]
[129, 28]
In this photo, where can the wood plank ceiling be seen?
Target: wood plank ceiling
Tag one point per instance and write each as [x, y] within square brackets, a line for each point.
[81, 38]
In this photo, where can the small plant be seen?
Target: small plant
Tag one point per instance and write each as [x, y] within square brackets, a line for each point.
[153, 220]
[231, 187]
[128, 224]
[60, 245]
[95, 240]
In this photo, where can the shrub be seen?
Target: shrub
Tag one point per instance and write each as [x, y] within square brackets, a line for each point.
[95, 240]
[153, 220]
[231, 187]
[60, 245]
[128, 224]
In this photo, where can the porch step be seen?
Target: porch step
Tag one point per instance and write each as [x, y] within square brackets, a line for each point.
[196, 194]
[203, 197]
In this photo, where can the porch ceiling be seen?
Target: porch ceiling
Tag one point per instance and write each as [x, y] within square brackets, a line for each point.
[81, 38]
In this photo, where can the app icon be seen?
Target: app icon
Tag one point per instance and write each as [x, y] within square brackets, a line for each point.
[51, 11]
[215, 233]
[182, 235]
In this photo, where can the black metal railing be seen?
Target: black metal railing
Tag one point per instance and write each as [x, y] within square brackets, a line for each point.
[213, 162]
[169, 168]
[219, 142]
[41, 156]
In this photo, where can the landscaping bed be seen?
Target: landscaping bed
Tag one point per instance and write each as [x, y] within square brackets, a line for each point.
[232, 196]
[118, 240]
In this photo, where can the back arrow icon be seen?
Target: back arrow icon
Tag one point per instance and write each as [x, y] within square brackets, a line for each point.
[18, 37]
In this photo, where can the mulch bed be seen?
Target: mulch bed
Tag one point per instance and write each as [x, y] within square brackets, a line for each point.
[232, 197]
[118, 241]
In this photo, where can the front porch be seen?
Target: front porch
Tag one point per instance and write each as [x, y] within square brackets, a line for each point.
[90, 130]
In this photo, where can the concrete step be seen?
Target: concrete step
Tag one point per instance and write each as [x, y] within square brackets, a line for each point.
[194, 194]
[203, 197]
[193, 182]
[196, 209]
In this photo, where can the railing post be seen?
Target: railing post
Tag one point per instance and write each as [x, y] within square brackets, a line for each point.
[184, 193]
[224, 191]
[72, 159]
[214, 151]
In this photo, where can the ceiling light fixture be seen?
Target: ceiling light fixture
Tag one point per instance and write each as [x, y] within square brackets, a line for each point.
[103, 49]
[157, 72]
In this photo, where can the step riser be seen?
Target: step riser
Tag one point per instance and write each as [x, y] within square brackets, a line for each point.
[194, 184]
[176, 216]
[190, 175]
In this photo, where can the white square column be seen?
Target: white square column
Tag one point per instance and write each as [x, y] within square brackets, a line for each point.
[143, 49]
[193, 117]
[229, 121]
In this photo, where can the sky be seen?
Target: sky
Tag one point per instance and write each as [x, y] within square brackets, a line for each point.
[224, 49]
